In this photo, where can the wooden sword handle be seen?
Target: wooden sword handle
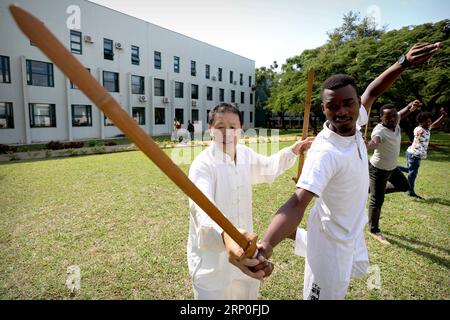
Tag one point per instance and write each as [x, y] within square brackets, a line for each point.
[36, 31]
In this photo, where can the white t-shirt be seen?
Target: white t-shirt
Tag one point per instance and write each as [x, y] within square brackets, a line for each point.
[420, 145]
[386, 154]
[336, 171]
[229, 186]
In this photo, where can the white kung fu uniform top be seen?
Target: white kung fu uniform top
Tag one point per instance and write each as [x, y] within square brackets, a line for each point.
[336, 171]
[229, 186]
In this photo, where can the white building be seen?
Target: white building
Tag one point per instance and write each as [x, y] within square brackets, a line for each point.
[155, 74]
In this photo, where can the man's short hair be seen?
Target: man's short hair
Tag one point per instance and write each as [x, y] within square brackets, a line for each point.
[388, 106]
[225, 108]
[339, 81]
[423, 116]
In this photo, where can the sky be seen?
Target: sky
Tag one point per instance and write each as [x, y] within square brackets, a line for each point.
[273, 30]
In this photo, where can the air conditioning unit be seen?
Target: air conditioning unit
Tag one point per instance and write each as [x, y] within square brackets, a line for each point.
[166, 100]
[214, 78]
[142, 98]
[118, 46]
[194, 103]
[88, 39]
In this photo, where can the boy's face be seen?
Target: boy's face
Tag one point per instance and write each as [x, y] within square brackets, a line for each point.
[341, 108]
[226, 129]
[426, 124]
[389, 118]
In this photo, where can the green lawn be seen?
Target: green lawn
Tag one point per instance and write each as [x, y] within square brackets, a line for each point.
[125, 225]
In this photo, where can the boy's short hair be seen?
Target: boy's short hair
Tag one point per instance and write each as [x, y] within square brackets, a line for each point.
[423, 116]
[225, 108]
[339, 81]
[388, 106]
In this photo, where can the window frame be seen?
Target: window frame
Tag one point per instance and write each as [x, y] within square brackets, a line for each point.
[135, 55]
[141, 90]
[52, 115]
[159, 89]
[49, 74]
[108, 53]
[8, 116]
[140, 111]
[72, 42]
[196, 91]
[163, 122]
[157, 60]
[179, 92]
[116, 81]
[88, 109]
[176, 64]
[5, 75]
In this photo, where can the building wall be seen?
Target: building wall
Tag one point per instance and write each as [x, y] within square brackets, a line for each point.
[99, 23]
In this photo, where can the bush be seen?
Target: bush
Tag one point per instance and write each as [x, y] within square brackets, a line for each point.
[74, 145]
[54, 145]
[111, 143]
[7, 149]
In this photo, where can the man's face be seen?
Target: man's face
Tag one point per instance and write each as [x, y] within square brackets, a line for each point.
[389, 118]
[341, 108]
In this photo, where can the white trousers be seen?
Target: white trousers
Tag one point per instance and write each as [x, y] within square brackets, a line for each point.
[236, 290]
[329, 264]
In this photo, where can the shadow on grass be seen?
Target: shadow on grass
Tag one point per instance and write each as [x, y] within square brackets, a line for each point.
[395, 240]
[444, 202]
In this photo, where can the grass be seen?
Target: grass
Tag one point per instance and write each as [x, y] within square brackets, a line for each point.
[125, 225]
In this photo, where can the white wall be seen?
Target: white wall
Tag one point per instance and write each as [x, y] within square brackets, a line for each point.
[99, 23]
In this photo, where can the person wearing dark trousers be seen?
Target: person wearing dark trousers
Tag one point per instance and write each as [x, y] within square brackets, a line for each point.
[384, 175]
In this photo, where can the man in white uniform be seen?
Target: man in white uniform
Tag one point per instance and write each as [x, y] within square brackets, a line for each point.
[336, 173]
[225, 173]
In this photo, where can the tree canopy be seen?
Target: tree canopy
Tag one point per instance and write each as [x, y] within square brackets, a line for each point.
[362, 50]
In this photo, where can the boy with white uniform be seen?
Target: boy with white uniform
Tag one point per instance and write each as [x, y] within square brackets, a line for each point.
[336, 172]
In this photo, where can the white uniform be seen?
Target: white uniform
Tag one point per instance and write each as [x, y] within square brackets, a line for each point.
[336, 171]
[229, 186]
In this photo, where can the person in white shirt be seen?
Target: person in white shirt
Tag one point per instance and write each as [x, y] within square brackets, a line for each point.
[225, 173]
[417, 151]
[385, 177]
[336, 173]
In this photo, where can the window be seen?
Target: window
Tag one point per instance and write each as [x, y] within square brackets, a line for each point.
[251, 117]
[233, 96]
[137, 85]
[5, 74]
[195, 115]
[194, 89]
[176, 64]
[111, 81]
[81, 116]
[193, 68]
[159, 88]
[135, 59]
[107, 122]
[108, 53]
[242, 97]
[221, 95]
[251, 98]
[179, 115]
[241, 79]
[42, 115]
[209, 93]
[179, 89]
[231, 77]
[208, 71]
[220, 74]
[39, 74]
[73, 86]
[160, 116]
[6, 115]
[250, 81]
[139, 116]
[76, 45]
[158, 62]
